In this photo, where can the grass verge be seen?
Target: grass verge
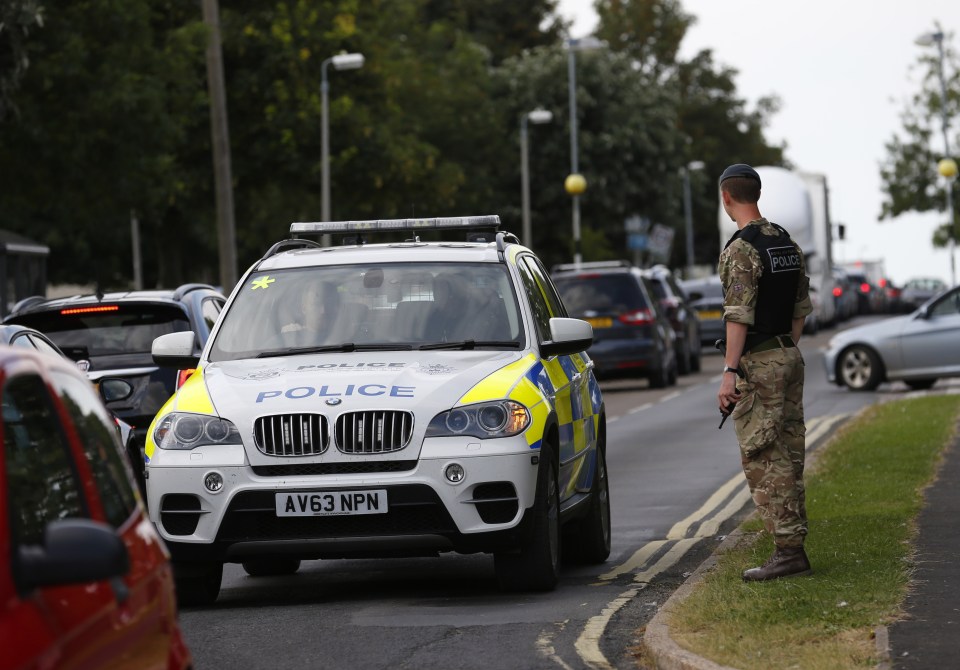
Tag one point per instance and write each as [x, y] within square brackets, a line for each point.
[863, 498]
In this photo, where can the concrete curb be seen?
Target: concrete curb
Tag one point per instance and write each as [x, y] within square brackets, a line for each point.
[667, 654]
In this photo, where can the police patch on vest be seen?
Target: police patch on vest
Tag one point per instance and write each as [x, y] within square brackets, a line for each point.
[784, 259]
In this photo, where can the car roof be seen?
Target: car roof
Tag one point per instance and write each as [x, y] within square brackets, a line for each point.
[171, 296]
[396, 252]
[12, 358]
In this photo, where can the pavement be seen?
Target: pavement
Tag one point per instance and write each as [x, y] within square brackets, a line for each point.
[927, 637]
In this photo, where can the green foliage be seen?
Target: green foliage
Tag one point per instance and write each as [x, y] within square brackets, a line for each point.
[115, 119]
[909, 172]
[17, 19]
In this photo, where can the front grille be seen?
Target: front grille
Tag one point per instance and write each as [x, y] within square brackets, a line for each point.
[413, 509]
[373, 432]
[291, 434]
[343, 468]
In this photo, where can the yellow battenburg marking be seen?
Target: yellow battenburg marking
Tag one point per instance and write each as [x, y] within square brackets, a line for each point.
[263, 282]
[193, 396]
[500, 383]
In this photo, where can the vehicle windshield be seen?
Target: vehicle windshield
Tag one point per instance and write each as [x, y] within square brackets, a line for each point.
[107, 329]
[399, 306]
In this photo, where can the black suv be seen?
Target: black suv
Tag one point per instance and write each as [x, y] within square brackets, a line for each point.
[110, 336]
[683, 318]
[631, 334]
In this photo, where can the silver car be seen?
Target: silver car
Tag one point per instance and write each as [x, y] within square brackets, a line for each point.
[917, 348]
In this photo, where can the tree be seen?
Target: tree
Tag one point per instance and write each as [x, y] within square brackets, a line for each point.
[17, 19]
[909, 172]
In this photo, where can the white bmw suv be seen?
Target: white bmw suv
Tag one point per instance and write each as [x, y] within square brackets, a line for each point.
[401, 398]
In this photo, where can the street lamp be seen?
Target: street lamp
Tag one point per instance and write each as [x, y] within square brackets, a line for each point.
[926, 40]
[688, 210]
[575, 184]
[537, 116]
[340, 62]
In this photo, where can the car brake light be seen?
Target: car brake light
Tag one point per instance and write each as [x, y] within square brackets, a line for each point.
[641, 317]
[837, 291]
[184, 375]
[88, 310]
[864, 287]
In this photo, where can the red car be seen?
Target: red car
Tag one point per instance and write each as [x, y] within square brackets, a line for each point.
[85, 581]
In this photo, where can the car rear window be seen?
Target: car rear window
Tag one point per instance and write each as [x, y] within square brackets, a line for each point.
[108, 328]
[600, 293]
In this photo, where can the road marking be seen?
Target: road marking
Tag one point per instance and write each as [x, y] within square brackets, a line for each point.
[646, 405]
[546, 650]
[638, 560]
[588, 644]
[671, 396]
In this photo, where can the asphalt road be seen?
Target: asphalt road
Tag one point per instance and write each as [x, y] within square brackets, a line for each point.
[676, 489]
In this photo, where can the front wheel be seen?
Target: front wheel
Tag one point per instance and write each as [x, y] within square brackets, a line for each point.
[536, 566]
[197, 584]
[588, 540]
[859, 368]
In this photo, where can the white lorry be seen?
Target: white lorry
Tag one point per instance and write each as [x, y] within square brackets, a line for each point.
[799, 201]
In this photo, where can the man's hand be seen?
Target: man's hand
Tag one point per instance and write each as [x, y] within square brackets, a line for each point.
[728, 396]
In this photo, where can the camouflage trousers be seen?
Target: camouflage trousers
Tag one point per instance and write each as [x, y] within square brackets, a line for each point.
[769, 423]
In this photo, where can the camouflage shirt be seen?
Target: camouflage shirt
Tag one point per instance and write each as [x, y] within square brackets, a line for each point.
[740, 269]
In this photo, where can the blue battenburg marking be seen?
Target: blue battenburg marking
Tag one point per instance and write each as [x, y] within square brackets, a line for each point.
[569, 368]
[567, 447]
[537, 444]
[538, 376]
[595, 397]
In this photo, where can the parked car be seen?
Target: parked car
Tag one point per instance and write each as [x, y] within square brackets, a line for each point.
[110, 335]
[85, 580]
[706, 298]
[845, 295]
[631, 333]
[682, 317]
[919, 290]
[870, 299]
[917, 348]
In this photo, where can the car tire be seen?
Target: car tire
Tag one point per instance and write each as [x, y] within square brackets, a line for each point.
[920, 384]
[695, 358]
[536, 566]
[197, 584]
[661, 376]
[859, 368]
[587, 541]
[271, 567]
[683, 358]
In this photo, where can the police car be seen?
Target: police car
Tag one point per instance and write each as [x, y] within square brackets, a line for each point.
[386, 399]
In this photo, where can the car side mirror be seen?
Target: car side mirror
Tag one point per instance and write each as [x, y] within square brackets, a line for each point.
[567, 336]
[74, 551]
[175, 350]
[113, 389]
[921, 313]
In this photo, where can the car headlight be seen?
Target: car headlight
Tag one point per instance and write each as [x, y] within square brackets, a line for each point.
[182, 430]
[502, 418]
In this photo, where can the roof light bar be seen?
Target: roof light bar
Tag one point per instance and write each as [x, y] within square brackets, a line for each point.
[87, 310]
[384, 225]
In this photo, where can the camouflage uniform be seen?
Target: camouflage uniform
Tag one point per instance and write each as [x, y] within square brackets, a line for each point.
[768, 418]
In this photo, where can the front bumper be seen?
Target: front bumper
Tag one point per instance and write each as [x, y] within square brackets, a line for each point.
[426, 514]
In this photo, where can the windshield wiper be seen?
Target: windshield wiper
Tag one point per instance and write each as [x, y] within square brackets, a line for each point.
[470, 344]
[345, 347]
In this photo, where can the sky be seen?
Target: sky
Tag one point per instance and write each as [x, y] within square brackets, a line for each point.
[844, 72]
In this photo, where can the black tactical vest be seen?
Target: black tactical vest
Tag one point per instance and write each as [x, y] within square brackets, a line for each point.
[777, 291]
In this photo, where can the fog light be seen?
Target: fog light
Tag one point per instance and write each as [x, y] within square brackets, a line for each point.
[213, 482]
[454, 473]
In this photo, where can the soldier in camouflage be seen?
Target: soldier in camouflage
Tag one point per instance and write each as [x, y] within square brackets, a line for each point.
[766, 298]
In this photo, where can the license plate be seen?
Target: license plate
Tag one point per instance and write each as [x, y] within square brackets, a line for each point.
[600, 322]
[711, 314]
[332, 503]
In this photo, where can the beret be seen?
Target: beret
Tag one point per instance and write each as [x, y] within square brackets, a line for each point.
[739, 170]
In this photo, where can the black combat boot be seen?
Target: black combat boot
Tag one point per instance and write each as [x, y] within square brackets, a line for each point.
[785, 562]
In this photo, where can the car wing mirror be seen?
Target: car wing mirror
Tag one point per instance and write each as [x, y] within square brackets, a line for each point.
[175, 350]
[114, 389]
[74, 551]
[567, 336]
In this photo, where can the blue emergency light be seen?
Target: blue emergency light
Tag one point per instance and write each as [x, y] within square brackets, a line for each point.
[385, 225]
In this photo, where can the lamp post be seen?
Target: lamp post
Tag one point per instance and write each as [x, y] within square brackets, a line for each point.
[926, 40]
[688, 210]
[352, 61]
[575, 184]
[536, 116]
